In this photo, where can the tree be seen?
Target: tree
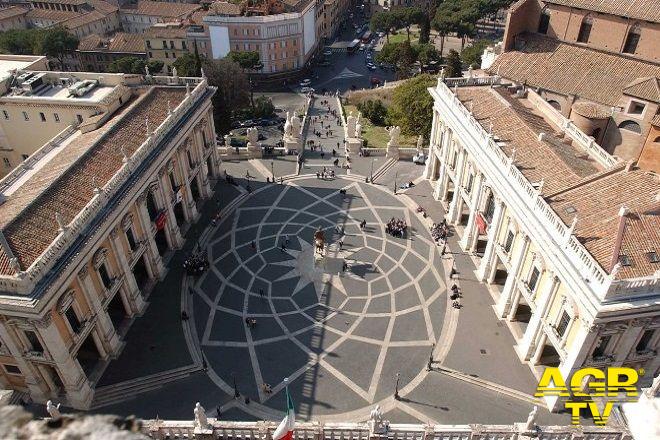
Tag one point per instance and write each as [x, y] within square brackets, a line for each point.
[155, 66]
[375, 111]
[263, 107]
[232, 93]
[248, 60]
[425, 29]
[471, 55]
[402, 55]
[20, 41]
[427, 53]
[383, 22]
[406, 17]
[56, 42]
[186, 65]
[412, 106]
[454, 65]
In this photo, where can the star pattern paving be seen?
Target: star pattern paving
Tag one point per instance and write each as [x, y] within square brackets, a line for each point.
[348, 332]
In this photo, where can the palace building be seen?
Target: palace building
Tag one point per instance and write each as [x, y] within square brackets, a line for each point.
[88, 220]
[566, 236]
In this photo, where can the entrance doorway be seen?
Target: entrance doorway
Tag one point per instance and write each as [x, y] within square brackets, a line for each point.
[117, 311]
[194, 190]
[140, 273]
[179, 216]
[161, 241]
[88, 355]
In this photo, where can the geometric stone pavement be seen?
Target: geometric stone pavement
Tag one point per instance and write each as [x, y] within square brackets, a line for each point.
[340, 337]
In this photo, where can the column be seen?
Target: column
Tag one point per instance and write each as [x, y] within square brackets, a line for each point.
[154, 258]
[78, 389]
[628, 340]
[457, 200]
[110, 338]
[172, 229]
[134, 296]
[504, 303]
[32, 380]
[468, 240]
[528, 343]
[188, 203]
[538, 351]
[488, 260]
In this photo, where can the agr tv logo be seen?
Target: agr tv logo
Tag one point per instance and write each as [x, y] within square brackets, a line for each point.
[617, 384]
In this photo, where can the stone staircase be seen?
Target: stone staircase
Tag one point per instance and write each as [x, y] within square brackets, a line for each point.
[380, 172]
[121, 391]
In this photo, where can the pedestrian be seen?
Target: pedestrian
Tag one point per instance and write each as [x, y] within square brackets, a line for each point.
[261, 293]
[286, 239]
[283, 247]
[217, 412]
[253, 245]
[341, 244]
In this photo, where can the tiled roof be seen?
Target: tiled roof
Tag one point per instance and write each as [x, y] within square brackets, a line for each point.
[596, 203]
[225, 8]
[11, 12]
[119, 42]
[66, 187]
[64, 2]
[559, 165]
[644, 88]
[592, 110]
[162, 9]
[103, 6]
[171, 31]
[571, 69]
[83, 19]
[648, 10]
[656, 120]
[47, 14]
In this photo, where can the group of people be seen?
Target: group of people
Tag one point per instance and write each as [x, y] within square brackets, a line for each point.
[196, 264]
[251, 322]
[396, 227]
[455, 296]
[439, 231]
[325, 174]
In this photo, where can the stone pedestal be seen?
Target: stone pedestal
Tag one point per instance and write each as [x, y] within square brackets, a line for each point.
[254, 150]
[291, 144]
[203, 434]
[392, 151]
[353, 145]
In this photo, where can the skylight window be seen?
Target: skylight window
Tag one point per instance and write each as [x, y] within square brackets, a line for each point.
[653, 257]
[570, 210]
[625, 260]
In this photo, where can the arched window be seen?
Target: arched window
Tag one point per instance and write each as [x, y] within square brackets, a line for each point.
[657, 139]
[631, 126]
[544, 21]
[632, 39]
[555, 105]
[585, 29]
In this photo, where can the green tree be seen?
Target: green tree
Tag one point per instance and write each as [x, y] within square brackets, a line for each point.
[427, 53]
[425, 29]
[155, 66]
[412, 106]
[454, 65]
[401, 55]
[383, 22]
[232, 95]
[247, 60]
[124, 65]
[186, 65]
[263, 107]
[406, 17]
[375, 111]
[56, 42]
[471, 55]
[20, 41]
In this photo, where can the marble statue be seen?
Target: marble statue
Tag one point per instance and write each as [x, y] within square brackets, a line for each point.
[288, 128]
[295, 125]
[531, 419]
[358, 130]
[53, 411]
[351, 122]
[394, 133]
[146, 70]
[376, 423]
[201, 421]
[60, 221]
[252, 135]
[420, 143]
[227, 139]
[174, 72]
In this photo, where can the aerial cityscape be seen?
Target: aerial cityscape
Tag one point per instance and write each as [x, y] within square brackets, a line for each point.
[330, 219]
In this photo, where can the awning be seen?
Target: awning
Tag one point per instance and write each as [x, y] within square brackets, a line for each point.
[481, 224]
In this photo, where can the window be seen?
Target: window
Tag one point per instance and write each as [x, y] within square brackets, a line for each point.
[632, 39]
[42, 116]
[636, 108]
[533, 279]
[164, 44]
[183, 45]
[644, 341]
[80, 118]
[653, 257]
[74, 322]
[171, 44]
[544, 21]
[190, 160]
[24, 156]
[131, 239]
[26, 116]
[6, 162]
[563, 323]
[601, 348]
[11, 369]
[167, 55]
[489, 211]
[630, 126]
[509, 241]
[5, 114]
[172, 181]
[105, 276]
[625, 260]
[33, 341]
[468, 187]
[585, 30]
[56, 117]
[173, 54]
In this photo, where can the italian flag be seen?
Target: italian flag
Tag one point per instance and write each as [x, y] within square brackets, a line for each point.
[285, 430]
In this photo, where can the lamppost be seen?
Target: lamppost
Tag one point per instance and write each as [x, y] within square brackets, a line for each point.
[371, 178]
[429, 366]
[272, 170]
[236, 393]
[396, 176]
[396, 387]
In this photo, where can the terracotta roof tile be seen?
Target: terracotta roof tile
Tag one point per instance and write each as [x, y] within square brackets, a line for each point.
[648, 10]
[11, 12]
[119, 42]
[162, 9]
[225, 8]
[45, 14]
[571, 69]
[644, 88]
[70, 187]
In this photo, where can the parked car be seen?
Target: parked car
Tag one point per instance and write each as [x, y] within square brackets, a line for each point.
[248, 123]
[305, 82]
[371, 66]
[307, 90]
[327, 52]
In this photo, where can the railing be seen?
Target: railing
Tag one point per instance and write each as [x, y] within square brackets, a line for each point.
[23, 282]
[473, 81]
[170, 429]
[514, 182]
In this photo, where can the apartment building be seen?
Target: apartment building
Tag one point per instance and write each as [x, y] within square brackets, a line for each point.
[137, 18]
[95, 52]
[87, 221]
[598, 63]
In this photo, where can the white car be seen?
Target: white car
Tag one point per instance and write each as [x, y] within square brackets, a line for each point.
[306, 90]
[305, 82]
